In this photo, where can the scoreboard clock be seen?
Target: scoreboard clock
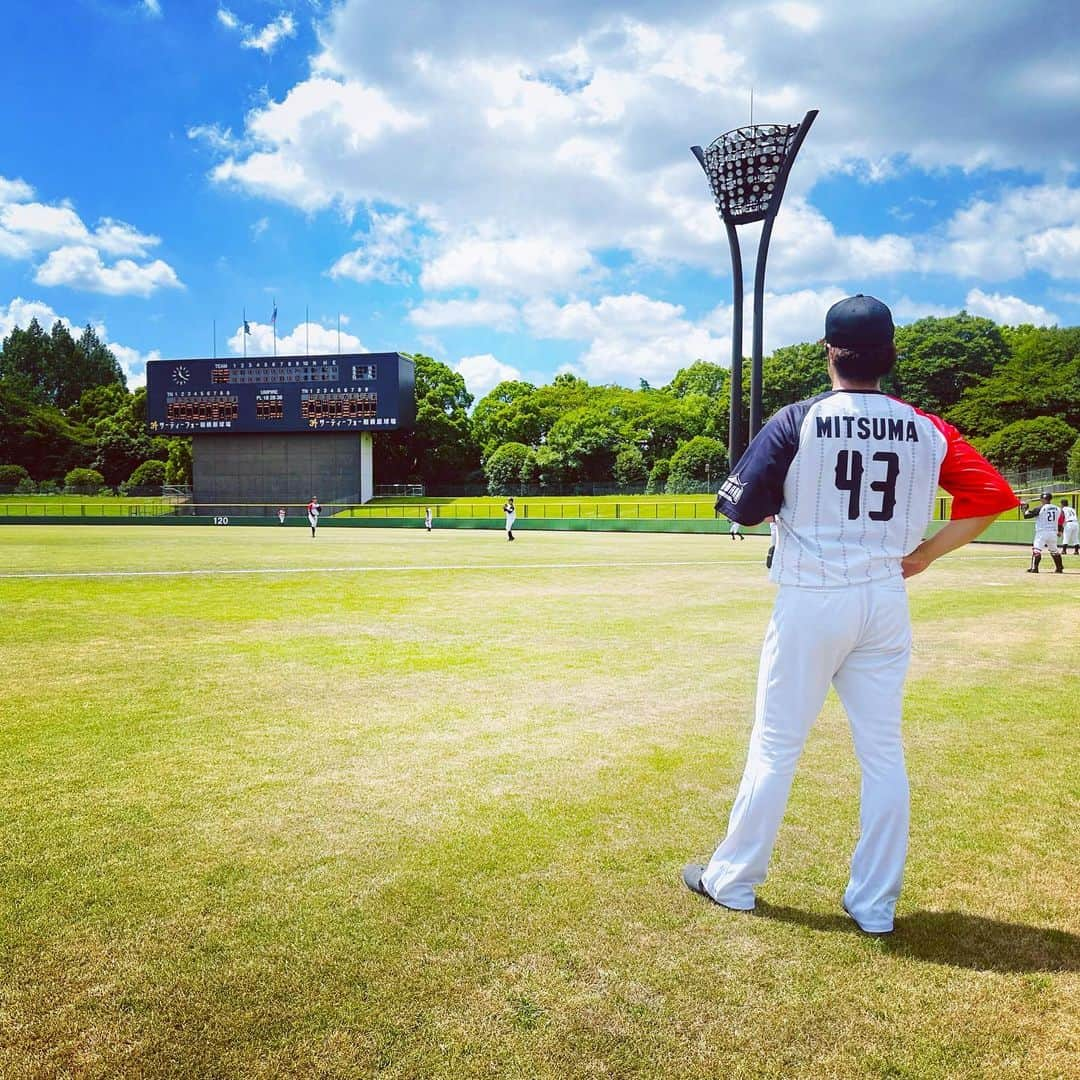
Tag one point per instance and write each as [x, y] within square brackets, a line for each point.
[268, 394]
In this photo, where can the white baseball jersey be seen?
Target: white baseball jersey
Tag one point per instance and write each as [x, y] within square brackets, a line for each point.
[1068, 515]
[1046, 520]
[851, 477]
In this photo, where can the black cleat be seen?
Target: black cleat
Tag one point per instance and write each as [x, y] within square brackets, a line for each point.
[862, 929]
[691, 876]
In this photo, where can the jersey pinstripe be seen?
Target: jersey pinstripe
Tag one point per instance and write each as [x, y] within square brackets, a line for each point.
[851, 478]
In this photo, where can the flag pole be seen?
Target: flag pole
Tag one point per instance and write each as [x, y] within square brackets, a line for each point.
[215, 338]
[273, 324]
[307, 331]
[244, 331]
[339, 333]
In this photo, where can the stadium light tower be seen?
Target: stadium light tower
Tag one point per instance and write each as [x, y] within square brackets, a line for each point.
[747, 170]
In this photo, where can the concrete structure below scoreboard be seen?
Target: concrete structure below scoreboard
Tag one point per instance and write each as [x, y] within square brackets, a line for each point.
[232, 472]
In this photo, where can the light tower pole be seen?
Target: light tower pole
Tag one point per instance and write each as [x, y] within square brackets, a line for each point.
[747, 170]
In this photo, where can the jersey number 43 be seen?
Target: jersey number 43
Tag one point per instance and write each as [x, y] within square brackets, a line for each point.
[849, 475]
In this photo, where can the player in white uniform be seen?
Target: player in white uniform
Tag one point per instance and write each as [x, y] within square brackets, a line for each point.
[313, 512]
[850, 476]
[1070, 529]
[511, 517]
[1046, 529]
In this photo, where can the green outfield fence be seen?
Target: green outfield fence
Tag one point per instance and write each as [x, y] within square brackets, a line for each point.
[612, 515]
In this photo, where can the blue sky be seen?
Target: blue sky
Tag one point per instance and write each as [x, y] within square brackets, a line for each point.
[509, 187]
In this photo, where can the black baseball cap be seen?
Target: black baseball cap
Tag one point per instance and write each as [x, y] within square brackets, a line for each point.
[858, 321]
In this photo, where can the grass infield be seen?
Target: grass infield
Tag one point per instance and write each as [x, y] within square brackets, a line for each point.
[283, 813]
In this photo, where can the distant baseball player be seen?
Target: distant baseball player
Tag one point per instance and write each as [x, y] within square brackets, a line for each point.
[774, 532]
[313, 512]
[1046, 529]
[281, 515]
[850, 476]
[427, 518]
[511, 517]
[1070, 528]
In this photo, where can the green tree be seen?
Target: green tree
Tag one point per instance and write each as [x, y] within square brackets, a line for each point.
[11, 476]
[703, 378]
[84, 481]
[697, 465]
[149, 474]
[586, 442]
[507, 467]
[507, 413]
[658, 476]
[1074, 462]
[1040, 378]
[440, 448]
[630, 470]
[938, 359]
[793, 373]
[39, 437]
[1042, 443]
[26, 363]
[95, 366]
[178, 464]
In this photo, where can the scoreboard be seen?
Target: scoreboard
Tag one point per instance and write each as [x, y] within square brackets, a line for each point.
[269, 394]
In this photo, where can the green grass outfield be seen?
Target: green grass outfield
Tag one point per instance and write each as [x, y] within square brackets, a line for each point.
[280, 812]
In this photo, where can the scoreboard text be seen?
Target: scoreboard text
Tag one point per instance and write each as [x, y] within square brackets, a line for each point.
[264, 394]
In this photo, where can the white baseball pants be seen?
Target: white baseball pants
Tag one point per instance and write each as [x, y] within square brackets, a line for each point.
[1045, 541]
[859, 639]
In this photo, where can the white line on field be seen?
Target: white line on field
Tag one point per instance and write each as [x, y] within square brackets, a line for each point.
[213, 572]
[375, 569]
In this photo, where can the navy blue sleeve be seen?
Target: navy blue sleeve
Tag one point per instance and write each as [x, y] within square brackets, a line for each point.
[755, 488]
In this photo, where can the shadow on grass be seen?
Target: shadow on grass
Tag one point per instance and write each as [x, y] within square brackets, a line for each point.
[956, 938]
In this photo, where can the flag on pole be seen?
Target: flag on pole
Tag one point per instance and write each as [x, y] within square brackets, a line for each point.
[273, 326]
[247, 331]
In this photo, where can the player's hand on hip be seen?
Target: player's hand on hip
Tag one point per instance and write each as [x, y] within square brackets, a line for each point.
[914, 563]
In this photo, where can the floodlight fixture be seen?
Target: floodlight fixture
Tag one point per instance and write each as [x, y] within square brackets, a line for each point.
[747, 169]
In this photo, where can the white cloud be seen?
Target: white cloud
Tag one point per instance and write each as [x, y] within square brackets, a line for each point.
[75, 251]
[215, 136]
[528, 153]
[14, 191]
[494, 314]
[134, 363]
[1008, 310]
[803, 17]
[260, 227]
[304, 339]
[521, 265]
[387, 246]
[631, 337]
[152, 8]
[227, 18]
[1029, 228]
[483, 372]
[80, 267]
[19, 312]
[267, 39]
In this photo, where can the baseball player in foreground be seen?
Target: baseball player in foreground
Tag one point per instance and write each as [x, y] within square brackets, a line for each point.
[1046, 517]
[1070, 528]
[850, 476]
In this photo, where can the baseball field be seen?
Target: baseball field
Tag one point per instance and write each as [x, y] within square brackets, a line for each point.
[406, 805]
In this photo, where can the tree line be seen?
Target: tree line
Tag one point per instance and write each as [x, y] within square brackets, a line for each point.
[1015, 391]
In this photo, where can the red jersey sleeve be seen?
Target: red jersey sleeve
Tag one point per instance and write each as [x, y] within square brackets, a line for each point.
[976, 486]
